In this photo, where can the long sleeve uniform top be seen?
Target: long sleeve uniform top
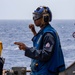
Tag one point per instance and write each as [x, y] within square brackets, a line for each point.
[45, 53]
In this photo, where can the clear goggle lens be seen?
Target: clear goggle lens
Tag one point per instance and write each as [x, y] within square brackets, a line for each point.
[36, 16]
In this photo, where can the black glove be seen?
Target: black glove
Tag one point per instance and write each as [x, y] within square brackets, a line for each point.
[1, 64]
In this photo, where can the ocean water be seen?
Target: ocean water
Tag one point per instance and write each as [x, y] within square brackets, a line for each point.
[18, 31]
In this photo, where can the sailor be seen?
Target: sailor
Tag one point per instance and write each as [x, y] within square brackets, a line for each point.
[46, 53]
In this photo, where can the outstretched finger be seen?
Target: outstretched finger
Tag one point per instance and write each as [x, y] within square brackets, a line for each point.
[17, 43]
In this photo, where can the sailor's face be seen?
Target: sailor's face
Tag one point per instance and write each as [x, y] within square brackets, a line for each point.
[37, 22]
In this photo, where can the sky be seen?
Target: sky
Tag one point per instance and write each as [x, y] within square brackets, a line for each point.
[23, 9]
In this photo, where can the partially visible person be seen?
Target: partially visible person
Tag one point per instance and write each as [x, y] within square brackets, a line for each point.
[46, 53]
[1, 65]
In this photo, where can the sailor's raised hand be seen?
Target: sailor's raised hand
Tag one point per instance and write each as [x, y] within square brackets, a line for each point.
[32, 27]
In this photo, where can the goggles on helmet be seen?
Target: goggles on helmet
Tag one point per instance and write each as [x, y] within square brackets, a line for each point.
[36, 16]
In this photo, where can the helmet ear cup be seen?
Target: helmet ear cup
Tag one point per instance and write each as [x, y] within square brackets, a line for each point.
[46, 17]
